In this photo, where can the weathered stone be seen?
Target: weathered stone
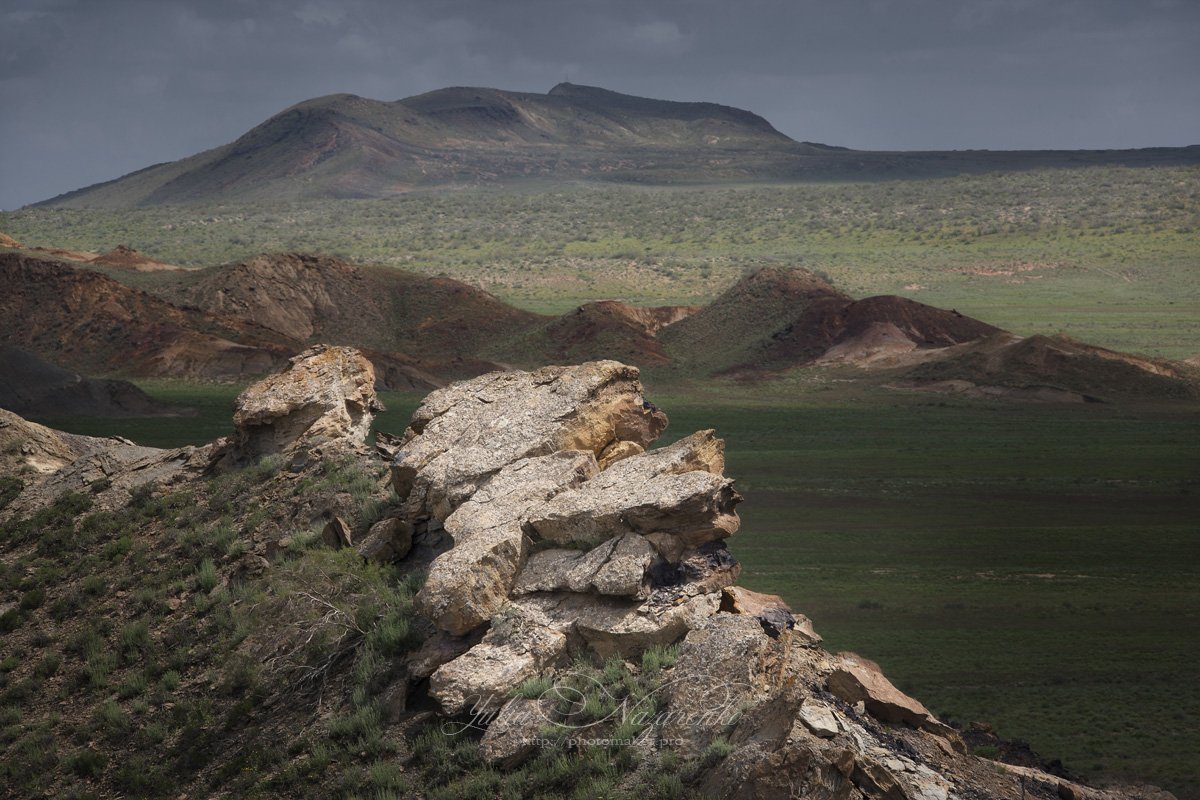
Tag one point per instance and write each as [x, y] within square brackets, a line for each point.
[769, 609]
[326, 394]
[665, 491]
[469, 583]
[819, 720]
[387, 541]
[394, 701]
[438, 649]
[336, 534]
[618, 451]
[508, 740]
[860, 680]
[611, 626]
[723, 665]
[464, 433]
[617, 567]
[251, 565]
[517, 647]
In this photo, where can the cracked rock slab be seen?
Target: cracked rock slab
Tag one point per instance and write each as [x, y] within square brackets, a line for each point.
[857, 679]
[471, 581]
[667, 491]
[517, 647]
[616, 567]
[611, 626]
[463, 434]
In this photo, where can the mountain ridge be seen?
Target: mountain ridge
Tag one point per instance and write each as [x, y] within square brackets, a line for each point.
[346, 146]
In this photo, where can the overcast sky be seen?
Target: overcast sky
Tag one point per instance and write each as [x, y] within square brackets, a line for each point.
[93, 89]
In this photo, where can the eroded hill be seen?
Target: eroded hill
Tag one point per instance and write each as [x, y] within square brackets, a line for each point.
[242, 319]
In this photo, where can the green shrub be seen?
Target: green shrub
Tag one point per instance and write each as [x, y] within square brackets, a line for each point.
[10, 487]
[169, 680]
[112, 719]
[33, 599]
[206, 576]
[86, 763]
[48, 665]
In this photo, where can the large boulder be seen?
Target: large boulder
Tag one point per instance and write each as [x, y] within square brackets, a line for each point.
[326, 394]
[470, 582]
[387, 540]
[463, 434]
[676, 493]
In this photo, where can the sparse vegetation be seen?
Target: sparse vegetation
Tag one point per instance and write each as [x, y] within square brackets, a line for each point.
[1100, 253]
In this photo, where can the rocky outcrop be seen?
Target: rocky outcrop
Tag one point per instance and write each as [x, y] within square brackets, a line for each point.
[507, 464]
[462, 435]
[559, 553]
[676, 493]
[470, 582]
[326, 394]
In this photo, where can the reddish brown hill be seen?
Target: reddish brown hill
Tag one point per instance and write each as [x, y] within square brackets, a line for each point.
[740, 325]
[1051, 368]
[604, 329]
[123, 257]
[851, 325]
[778, 318]
[440, 322]
[86, 321]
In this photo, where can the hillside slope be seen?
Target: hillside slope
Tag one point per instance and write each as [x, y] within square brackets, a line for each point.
[345, 146]
[35, 388]
[319, 298]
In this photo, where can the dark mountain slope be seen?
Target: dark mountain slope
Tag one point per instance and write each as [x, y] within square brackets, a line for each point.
[348, 146]
[742, 323]
[35, 388]
[1051, 367]
[604, 329]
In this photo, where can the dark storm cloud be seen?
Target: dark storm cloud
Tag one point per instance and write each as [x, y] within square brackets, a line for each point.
[91, 89]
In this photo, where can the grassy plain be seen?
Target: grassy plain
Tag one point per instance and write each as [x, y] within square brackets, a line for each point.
[1105, 254]
[1034, 566]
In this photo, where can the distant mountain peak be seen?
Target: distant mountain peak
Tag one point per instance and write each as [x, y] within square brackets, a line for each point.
[343, 145]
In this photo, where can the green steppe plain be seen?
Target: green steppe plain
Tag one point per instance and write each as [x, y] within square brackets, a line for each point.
[1034, 566]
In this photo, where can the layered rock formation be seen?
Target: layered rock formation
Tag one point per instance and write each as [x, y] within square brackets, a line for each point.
[556, 552]
[552, 531]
